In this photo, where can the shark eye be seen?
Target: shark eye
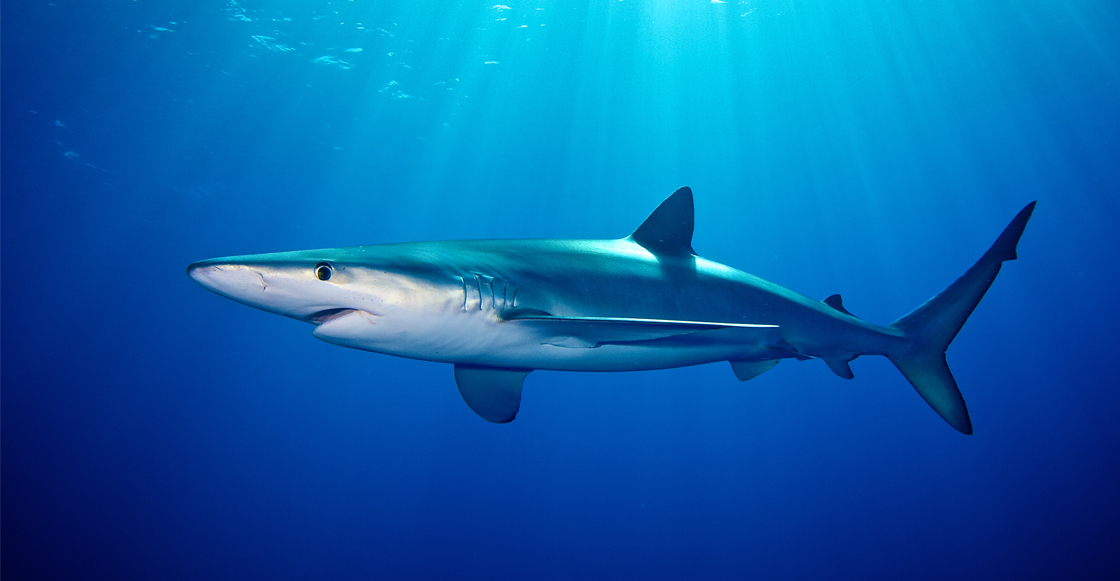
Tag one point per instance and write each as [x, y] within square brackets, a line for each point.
[323, 271]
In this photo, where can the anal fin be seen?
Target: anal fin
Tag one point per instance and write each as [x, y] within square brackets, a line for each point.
[840, 367]
[745, 370]
[493, 393]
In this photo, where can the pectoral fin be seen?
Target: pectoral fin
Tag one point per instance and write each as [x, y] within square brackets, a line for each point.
[493, 393]
[589, 332]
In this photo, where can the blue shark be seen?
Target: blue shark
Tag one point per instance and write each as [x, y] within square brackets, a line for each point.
[499, 309]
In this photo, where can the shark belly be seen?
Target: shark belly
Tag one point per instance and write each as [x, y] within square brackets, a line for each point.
[483, 339]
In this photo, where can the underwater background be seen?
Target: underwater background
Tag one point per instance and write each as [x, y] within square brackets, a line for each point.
[154, 430]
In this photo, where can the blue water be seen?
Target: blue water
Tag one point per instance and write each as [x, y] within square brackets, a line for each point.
[152, 429]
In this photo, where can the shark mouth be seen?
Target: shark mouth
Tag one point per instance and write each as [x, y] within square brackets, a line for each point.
[328, 315]
[347, 327]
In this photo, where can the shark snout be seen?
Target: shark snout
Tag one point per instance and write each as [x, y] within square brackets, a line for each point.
[197, 271]
[239, 282]
[292, 290]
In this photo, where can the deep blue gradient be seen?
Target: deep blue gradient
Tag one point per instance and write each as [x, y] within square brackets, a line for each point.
[152, 429]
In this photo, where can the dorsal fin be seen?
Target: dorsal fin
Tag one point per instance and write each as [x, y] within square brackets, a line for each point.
[668, 230]
[837, 303]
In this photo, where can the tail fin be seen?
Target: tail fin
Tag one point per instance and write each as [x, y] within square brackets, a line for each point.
[932, 326]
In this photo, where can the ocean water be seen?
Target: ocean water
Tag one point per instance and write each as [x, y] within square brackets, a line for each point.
[153, 430]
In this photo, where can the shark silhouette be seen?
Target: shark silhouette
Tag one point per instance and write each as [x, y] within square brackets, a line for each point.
[498, 309]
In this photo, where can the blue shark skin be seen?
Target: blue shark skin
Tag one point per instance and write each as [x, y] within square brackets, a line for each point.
[498, 309]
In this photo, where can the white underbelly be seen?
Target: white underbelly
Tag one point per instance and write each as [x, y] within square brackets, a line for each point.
[483, 339]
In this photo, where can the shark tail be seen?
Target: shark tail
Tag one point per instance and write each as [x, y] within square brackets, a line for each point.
[931, 327]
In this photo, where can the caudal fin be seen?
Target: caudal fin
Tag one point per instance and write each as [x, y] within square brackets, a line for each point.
[932, 326]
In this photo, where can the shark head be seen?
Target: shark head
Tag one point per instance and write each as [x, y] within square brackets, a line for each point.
[309, 285]
[356, 297]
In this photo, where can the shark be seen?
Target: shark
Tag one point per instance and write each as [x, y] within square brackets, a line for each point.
[499, 309]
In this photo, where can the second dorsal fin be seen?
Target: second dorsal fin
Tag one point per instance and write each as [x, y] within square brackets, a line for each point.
[837, 303]
[668, 230]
